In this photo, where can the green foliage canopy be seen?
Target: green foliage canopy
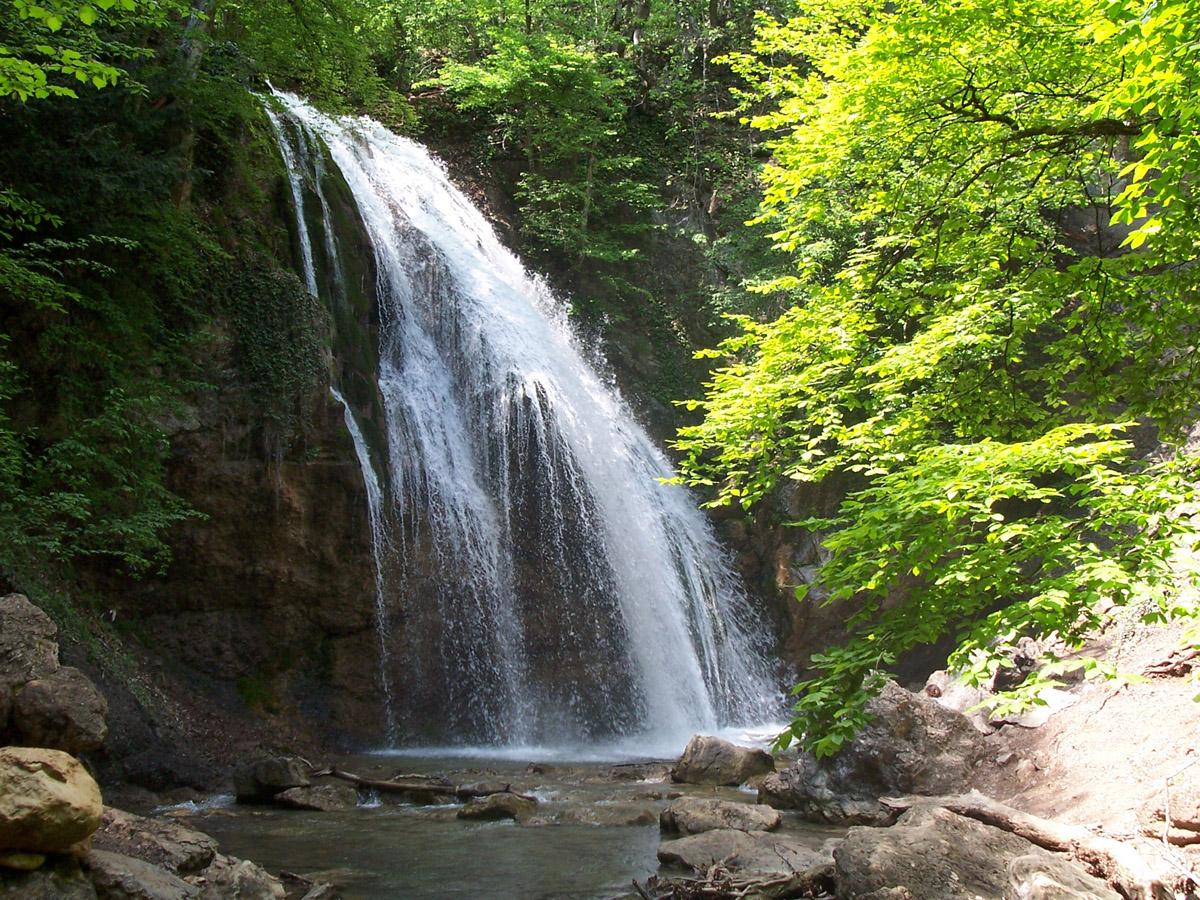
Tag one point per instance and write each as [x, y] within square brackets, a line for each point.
[991, 212]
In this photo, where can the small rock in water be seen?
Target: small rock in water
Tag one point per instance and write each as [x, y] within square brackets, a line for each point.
[693, 815]
[711, 760]
[498, 806]
[319, 798]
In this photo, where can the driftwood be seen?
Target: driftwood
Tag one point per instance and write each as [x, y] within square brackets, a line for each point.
[1116, 862]
[718, 883]
[415, 785]
[1178, 664]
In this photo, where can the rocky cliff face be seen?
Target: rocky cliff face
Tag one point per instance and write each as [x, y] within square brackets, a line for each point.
[262, 627]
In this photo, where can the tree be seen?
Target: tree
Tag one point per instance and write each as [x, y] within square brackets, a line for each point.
[986, 306]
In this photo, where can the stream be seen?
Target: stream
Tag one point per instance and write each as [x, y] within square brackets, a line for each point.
[595, 830]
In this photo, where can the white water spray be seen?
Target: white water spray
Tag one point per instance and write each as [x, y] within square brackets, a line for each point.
[551, 589]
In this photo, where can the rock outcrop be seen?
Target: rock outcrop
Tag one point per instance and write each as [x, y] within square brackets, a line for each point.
[157, 841]
[711, 760]
[911, 745]
[118, 877]
[63, 710]
[693, 815]
[934, 854]
[43, 704]
[48, 801]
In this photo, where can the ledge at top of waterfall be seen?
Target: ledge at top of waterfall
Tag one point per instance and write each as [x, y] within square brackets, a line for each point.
[540, 584]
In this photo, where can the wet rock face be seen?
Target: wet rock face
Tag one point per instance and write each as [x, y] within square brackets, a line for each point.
[693, 815]
[912, 745]
[934, 854]
[711, 760]
[63, 710]
[48, 802]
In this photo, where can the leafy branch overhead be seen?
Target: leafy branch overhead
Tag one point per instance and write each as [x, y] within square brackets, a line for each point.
[992, 217]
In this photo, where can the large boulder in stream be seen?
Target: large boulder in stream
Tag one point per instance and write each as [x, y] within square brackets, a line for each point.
[934, 854]
[911, 745]
[261, 781]
[48, 801]
[693, 815]
[711, 760]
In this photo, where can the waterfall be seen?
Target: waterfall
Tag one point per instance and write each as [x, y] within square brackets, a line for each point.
[549, 588]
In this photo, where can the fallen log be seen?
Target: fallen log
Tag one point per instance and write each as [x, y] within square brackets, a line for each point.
[409, 785]
[1116, 862]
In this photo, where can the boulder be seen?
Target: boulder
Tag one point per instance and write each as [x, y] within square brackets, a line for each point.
[63, 710]
[28, 647]
[320, 797]
[750, 852]
[118, 877]
[48, 802]
[711, 760]
[261, 781]
[911, 745]
[229, 877]
[934, 854]
[60, 878]
[498, 806]
[693, 815]
[157, 841]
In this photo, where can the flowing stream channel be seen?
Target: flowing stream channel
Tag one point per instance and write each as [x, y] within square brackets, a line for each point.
[539, 584]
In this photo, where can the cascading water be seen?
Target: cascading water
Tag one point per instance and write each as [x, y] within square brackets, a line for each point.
[548, 588]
